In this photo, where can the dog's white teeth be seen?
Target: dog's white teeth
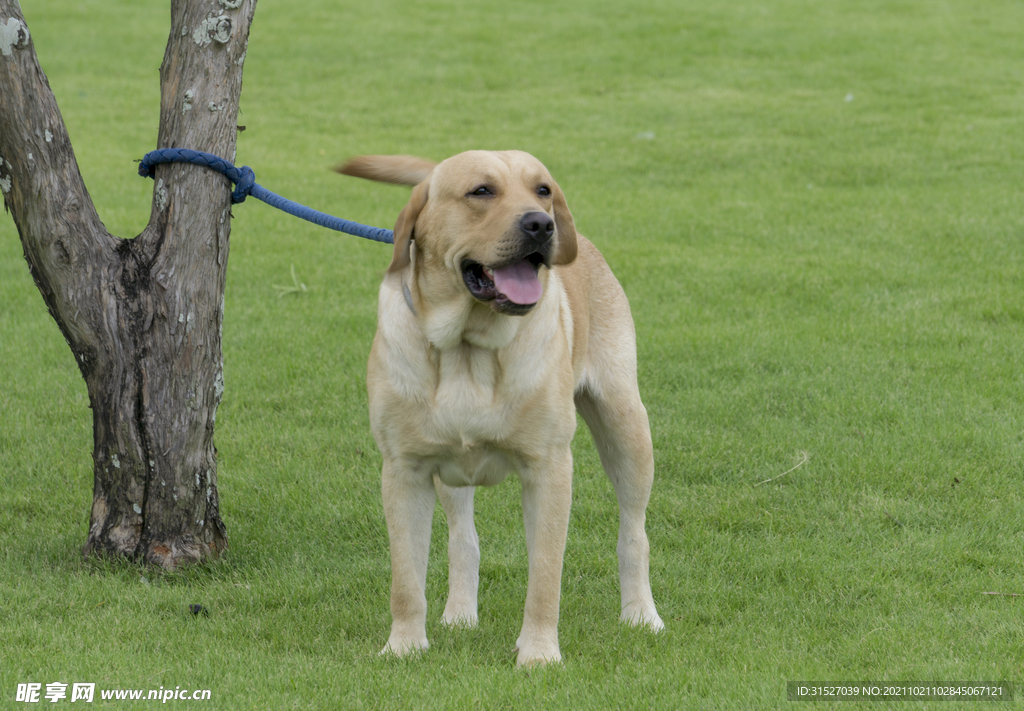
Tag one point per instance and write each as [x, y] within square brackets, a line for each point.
[488, 273]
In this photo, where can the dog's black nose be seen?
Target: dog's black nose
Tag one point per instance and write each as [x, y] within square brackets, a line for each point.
[538, 226]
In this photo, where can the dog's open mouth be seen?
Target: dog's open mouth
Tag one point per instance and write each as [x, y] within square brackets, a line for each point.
[513, 288]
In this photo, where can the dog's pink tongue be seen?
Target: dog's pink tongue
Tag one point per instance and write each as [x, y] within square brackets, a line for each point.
[519, 283]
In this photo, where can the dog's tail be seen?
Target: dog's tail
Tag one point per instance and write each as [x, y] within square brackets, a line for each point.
[401, 170]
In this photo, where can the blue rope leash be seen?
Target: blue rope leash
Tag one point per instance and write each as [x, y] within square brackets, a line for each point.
[245, 185]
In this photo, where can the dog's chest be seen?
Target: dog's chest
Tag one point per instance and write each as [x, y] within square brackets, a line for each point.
[474, 429]
[469, 411]
[471, 401]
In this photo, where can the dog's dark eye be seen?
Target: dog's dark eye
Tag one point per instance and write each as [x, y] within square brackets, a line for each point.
[482, 190]
[544, 191]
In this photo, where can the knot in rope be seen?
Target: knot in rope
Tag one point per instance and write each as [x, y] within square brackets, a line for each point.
[245, 185]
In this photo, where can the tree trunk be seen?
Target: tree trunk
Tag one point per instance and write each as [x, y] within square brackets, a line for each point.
[142, 316]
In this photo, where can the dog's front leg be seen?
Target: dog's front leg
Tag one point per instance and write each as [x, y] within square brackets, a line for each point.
[547, 499]
[408, 494]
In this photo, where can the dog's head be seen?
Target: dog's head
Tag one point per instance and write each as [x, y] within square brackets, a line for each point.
[489, 224]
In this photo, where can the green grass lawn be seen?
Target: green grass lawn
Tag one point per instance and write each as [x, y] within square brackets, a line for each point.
[815, 210]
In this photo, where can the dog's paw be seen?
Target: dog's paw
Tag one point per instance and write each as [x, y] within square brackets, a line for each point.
[635, 617]
[403, 647]
[537, 652]
[466, 620]
[532, 659]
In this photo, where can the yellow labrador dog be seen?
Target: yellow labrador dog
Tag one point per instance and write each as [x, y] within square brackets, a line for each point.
[496, 322]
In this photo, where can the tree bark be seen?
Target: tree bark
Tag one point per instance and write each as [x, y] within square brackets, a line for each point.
[142, 316]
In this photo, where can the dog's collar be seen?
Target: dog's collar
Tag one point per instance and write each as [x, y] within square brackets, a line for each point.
[408, 297]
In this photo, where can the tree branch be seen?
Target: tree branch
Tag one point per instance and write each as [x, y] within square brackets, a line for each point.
[63, 238]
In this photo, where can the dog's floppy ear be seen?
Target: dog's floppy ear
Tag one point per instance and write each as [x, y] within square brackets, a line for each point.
[405, 225]
[565, 250]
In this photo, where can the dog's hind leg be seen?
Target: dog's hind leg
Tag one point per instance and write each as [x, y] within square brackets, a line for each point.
[618, 422]
[463, 555]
